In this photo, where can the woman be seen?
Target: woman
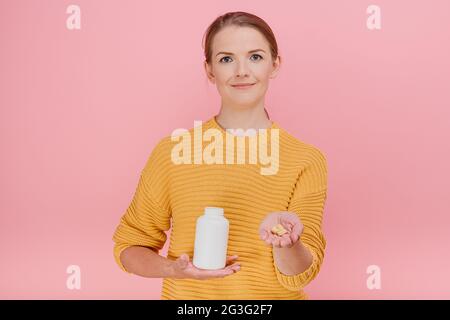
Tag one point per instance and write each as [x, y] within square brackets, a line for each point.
[241, 55]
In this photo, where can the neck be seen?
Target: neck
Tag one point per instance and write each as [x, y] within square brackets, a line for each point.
[255, 118]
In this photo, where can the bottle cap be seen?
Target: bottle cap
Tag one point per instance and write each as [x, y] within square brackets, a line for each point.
[214, 211]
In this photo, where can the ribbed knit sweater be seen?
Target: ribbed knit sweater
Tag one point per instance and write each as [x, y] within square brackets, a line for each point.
[178, 192]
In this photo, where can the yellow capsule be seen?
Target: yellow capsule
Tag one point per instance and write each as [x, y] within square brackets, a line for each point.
[279, 230]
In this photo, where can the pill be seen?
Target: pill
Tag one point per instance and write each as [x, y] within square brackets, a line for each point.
[279, 229]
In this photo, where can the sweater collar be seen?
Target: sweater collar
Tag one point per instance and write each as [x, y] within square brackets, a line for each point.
[212, 123]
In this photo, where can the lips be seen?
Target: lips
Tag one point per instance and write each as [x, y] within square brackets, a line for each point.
[242, 85]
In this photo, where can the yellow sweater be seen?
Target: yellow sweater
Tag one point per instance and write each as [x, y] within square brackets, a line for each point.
[179, 192]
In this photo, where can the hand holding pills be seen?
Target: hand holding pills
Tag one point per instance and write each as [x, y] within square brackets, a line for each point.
[279, 230]
[282, 229]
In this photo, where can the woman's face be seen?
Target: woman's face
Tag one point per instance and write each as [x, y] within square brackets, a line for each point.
[241, 55]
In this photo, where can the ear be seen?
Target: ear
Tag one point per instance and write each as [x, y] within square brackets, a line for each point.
[209, 72]
[276, 67]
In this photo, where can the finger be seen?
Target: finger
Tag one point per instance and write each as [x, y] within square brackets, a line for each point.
[289, 226]
[269, 239]
[276, 242]
[231, 259]
[294, 237]
[296, 229]
[264, 235]
[285, 240]
[205, 274]
[235, 267]
[228, 270]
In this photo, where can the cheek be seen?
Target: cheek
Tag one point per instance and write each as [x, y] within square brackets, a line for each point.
[223, 73]
[263, 74]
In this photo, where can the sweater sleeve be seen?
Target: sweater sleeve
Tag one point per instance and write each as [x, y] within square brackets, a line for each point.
[308, 202]
[148, 214]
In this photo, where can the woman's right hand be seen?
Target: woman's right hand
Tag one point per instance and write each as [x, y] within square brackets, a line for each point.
[183, 268]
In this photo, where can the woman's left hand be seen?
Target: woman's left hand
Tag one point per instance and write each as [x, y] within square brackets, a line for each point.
[290, 222]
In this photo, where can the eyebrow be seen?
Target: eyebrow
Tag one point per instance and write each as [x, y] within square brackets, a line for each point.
[230, 53]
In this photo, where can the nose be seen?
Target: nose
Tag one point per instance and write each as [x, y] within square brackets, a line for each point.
[242, 69]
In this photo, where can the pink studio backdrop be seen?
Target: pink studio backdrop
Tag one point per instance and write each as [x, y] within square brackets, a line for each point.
[81, 111]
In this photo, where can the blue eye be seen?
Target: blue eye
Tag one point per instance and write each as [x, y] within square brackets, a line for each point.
[257, 55]
[223, 58]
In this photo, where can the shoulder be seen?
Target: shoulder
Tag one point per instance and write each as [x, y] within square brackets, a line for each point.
[163, 144]
[162, 149]
[159, 156]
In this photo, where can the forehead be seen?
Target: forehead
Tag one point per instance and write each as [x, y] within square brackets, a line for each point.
[236, 39]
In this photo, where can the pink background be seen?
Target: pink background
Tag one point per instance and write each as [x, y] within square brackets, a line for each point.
[81, 111]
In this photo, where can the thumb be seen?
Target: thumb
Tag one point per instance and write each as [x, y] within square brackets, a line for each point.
[263, 234]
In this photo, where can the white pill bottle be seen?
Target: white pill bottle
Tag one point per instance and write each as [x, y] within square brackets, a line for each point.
[211, 239]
